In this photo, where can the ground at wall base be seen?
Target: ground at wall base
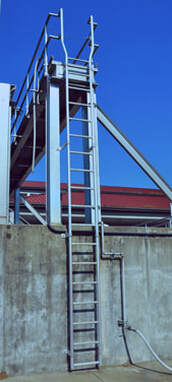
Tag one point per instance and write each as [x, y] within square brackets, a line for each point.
[143, 372]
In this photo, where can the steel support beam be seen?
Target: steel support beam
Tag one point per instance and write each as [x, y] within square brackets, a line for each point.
[53, 154]
[17, 206]
[91, 180]
[33, 211]
[87, 164]
[5, 122]
[133, 152]
[97, 159]
[170, 221]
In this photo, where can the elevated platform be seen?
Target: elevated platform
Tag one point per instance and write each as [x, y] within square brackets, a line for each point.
[22, 146]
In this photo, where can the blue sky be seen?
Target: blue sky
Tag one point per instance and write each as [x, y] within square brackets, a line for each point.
[135, 73]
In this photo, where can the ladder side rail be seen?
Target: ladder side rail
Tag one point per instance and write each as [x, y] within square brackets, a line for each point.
[91, 97]
[96, 220]
[69, 194]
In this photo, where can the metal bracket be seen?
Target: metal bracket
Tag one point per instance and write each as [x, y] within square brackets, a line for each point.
[67, 352]
[123, 324]
[60, 148]
[108, 255]
[112, 255]
[64, 235]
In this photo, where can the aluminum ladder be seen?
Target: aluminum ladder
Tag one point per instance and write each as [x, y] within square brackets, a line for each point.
[83, 264]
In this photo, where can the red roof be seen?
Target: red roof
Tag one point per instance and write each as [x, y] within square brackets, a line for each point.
[116, 197]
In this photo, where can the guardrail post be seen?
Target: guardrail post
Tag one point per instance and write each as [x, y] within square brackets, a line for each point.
[53, 154]
[5, 122]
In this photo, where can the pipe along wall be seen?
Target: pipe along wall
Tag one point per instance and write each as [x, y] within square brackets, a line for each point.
[34, 305]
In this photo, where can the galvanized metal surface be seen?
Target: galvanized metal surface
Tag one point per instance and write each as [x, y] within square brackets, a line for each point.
[5, 119]
[90, 164]
[52, 121]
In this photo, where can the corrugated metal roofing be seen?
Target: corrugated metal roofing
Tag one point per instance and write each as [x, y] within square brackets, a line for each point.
[121, 197]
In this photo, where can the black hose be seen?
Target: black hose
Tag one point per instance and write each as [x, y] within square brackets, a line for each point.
[122, 317]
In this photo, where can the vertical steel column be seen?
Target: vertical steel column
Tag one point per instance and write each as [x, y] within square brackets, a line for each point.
[53, 154]
[17, 206]
[170, 220]
[5, 121]
[86, 160]
[97, 159]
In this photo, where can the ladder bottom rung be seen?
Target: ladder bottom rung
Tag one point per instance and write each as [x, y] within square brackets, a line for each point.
[83, 224]
[77, 243]
[86, 363]
[84, 262]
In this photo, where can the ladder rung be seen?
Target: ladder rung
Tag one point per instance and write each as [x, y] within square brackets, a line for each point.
[81, 89]
[83, 224]
[84, 262]
[84, 302]
[80, 104]
[81, 170]
[81, 136]
[76, 66]
[78, 73]
[84, 282]
[85, 322]
[77, 59]
[80, 152]
[82, 188]
[86, 343]
[86, 363]
[80, 243]
[82, 206]
[80, 119]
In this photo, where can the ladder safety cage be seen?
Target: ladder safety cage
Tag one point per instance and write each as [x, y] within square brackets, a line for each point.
[84, 279]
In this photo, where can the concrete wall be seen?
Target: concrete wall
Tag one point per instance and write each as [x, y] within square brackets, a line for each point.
[33, 298]
[148, 272]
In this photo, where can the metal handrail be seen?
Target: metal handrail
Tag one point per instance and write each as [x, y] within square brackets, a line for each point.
[36, 50]
[42, 55]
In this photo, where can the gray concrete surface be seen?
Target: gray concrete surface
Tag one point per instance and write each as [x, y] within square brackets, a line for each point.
[33, 296]
[33, 299]
[147, 372]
